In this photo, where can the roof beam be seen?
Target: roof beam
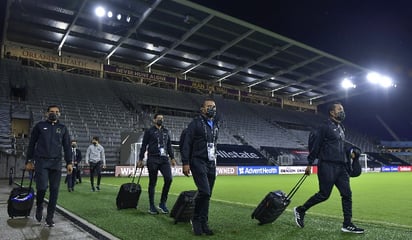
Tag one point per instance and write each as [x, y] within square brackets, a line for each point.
[69, 29]
[218, 52]
[181, 40]
[132, 30]
[6, 24]
[275, 51]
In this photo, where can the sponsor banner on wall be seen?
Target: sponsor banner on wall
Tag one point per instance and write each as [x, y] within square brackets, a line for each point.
[239, 155]
[226, 170]
[292, 169]
[52, 57]
[257, 170]
[127, 171]
[389, 169]
[405, 168]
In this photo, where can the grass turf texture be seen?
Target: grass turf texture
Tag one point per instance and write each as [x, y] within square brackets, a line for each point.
[382, 204]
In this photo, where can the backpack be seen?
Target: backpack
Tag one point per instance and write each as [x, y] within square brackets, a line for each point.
[354, 167]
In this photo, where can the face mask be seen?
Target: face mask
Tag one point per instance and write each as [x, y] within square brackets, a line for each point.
[340, 116]
[74, 145]
[94, 143]
[52, 117]
[211, 112]
[159, 122]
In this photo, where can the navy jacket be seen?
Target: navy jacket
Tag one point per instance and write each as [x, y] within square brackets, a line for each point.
[196, 139]
[329, 143]
[154, 138]
[47, 141]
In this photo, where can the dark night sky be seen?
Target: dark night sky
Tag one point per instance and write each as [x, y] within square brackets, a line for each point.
[374, 34]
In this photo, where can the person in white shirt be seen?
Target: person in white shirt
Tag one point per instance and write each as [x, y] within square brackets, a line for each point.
[96, 160]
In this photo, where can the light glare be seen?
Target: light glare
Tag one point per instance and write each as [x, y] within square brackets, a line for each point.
[100, 11]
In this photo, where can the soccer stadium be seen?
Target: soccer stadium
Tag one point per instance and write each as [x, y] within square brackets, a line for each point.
[111, 65]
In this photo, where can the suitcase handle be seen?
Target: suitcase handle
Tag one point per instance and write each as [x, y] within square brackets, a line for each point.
[140, 174]
[22, 179]
[296, 187]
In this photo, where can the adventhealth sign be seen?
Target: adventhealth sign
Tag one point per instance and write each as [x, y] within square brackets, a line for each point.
[257, 170]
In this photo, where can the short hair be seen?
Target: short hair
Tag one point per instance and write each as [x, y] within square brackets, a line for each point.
[52, 106]
[206, 100]
[332, 106]
[96, 138]
[157, 114]
[73, 140]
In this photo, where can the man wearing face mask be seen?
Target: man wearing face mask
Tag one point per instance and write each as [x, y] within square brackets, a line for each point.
[76, 158]
[329, 149]
[199, 158]
[95, 159]
[44, 155]
[156, 141]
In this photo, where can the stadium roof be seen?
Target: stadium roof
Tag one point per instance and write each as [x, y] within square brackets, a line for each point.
[185, 38]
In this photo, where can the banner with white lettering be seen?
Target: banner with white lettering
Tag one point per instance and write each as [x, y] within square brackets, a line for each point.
[128, 171]
[239, 155]
[258, 170]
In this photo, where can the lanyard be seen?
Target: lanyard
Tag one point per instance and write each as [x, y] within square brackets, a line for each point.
[213, 133]
[160, 132]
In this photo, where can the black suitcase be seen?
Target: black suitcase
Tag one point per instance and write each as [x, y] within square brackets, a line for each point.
[274, 204]
[184, 206]
[21, 200]
[129, 193]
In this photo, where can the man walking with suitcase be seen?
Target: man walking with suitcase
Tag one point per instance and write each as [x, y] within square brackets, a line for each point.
[327, 145]
[44, 155]
[156, 141]
[199, 157]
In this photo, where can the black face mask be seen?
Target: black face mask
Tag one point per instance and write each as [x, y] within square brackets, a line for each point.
[94, 143]
[340, 116]
[159, 122]
[211, 112]
[52, 117]
[74, 145]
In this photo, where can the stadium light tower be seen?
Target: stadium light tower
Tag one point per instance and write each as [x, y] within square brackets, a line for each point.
[100, 11]
[347, 83]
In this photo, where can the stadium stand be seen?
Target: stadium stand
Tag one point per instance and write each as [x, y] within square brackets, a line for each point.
[94, 106]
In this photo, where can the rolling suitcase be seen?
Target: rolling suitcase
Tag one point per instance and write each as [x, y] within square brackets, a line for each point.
[129, 193]
[184, 206]
[274, 204]
[21, 200]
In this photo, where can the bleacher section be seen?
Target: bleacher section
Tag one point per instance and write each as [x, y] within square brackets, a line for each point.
[387, 159]
[105, 108]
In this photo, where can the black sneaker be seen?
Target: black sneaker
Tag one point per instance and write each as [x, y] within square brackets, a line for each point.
[98, 188]
[39, 214]
[351, 228]
[49, 223]
[299, 217]
[163, 209]
[206, 229]
[196, 227]
[153, 210]
[93, 189]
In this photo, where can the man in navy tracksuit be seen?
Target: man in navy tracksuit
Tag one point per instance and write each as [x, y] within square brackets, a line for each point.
[199, 157]
[329, 148]
[44, 155]
[156, 141]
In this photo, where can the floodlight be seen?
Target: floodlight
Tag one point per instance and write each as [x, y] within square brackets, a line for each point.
[386, 82]
[128, 19]
[100, 11]
[119, 16]
[373, 77]
[347, 83]
[110, 14]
